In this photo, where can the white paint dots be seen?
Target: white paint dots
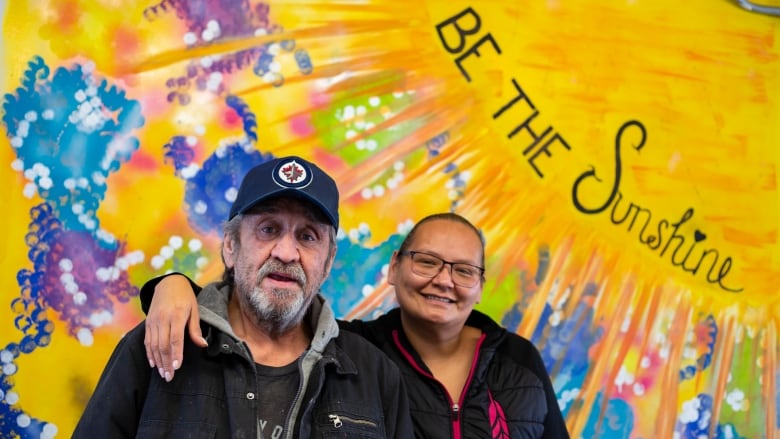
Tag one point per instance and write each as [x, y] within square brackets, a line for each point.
[212, 31]
[190, 38]
[49, 431]
[30, 189]
[80, 298]
[157, 262]
[214, 81]
[11, 398]
[6, 356]
[231, 194]
[84, 337]
[176, 243]
[195, 245]
[736, 399]
[166, 252]
[189, 171]
[690, 411]
[9, 369]
[567, 396]
[405, 227]
[23, 420]
[100, 318]
[380, 189]
[200, 207]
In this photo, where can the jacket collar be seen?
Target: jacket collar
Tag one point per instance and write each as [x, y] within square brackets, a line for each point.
[213, 306]
[493, 331]
[476, 319]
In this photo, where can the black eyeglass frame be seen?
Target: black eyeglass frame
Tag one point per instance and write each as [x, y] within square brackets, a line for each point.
[411, 254]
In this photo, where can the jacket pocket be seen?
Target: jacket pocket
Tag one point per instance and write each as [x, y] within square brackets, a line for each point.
[349, 421]
[152, 429]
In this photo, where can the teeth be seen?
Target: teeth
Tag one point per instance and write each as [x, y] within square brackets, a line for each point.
[440, 299]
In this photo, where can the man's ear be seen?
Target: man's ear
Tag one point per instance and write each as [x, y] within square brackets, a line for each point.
[329, 265]
[227, 251]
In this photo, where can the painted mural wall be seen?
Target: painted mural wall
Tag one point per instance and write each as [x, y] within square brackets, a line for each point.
[620, 156]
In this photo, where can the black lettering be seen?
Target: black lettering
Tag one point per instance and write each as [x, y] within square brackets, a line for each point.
[592, 172]
[460, 31]
[526, 125]
[637, 210]
[521, 96]
[536, 137]
[701, 259]
[546, 150]
[686, 216]
[474, 50]
[724, 270]
[660, 239]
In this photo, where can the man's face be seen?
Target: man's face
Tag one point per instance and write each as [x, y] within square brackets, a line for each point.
[281, 261]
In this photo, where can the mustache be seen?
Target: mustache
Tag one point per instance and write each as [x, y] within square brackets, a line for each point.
[293, 270]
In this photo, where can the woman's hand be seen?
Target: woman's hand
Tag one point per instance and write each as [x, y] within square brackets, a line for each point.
[173, 307]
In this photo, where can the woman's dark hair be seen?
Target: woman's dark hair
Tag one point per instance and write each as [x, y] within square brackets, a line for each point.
[446, 216]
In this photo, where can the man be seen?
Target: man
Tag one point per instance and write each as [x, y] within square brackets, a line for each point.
[276, 364]
[467, 377]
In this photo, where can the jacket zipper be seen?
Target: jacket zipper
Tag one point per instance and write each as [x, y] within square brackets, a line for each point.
[338, 423]
[454, 406]
[455, 419]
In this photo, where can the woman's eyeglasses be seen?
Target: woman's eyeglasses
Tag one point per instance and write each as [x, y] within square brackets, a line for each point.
[462, 274]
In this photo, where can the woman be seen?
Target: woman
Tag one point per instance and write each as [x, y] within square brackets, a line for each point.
[466, 376]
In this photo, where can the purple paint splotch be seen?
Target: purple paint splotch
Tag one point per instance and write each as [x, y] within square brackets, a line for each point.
[213, 21]
[69, 130]
[72, 275]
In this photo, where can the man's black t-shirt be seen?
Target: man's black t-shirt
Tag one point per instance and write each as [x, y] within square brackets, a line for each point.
[277, 387]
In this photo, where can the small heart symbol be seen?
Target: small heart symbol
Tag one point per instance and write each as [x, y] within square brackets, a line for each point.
[699, 236]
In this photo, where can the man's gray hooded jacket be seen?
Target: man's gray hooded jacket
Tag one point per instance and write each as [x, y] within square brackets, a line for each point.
[348, 387]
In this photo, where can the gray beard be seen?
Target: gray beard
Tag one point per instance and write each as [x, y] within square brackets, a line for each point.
[277, 319]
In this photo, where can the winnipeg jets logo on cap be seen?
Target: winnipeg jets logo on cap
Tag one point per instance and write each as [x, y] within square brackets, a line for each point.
[292, 174]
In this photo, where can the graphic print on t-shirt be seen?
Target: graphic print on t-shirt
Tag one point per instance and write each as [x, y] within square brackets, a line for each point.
[276, 388]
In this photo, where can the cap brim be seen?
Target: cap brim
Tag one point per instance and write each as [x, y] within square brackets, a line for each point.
[294, 193]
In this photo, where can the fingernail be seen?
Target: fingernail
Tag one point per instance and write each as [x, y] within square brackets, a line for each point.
[151, 363]
[205, 342]
[175, 364]
[161, 371]
[168, 377]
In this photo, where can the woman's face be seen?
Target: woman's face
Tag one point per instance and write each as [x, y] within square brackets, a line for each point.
[438, 299]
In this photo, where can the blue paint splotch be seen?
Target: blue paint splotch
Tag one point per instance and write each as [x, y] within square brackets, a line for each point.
[617, 422]
[357, 269]
[211, 188]
[69, 132]
[695, 421]
[706, 333]
[567, 343]
[211, 192]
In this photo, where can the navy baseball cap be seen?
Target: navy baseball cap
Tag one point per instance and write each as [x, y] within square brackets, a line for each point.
[288, 176]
